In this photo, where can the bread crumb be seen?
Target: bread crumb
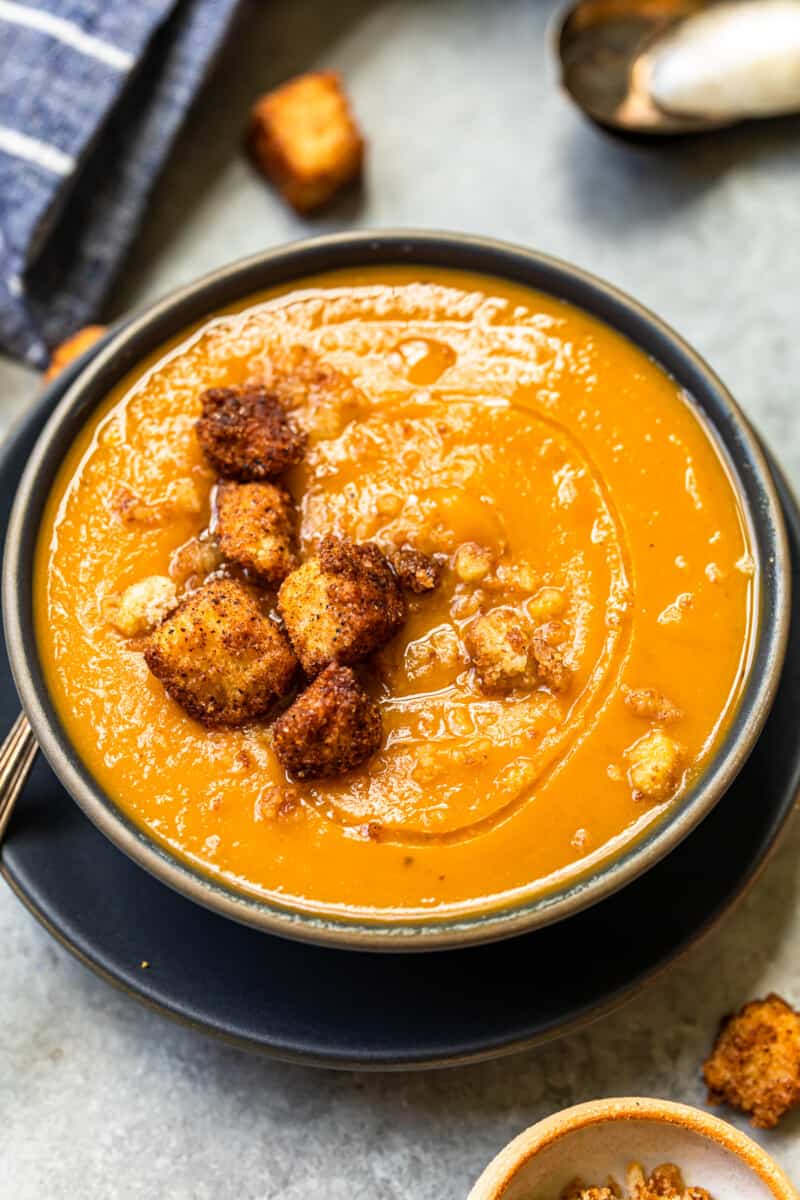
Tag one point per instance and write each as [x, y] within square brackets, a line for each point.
[472, 562]
[142, 606]
[651, 704]
[655, 766]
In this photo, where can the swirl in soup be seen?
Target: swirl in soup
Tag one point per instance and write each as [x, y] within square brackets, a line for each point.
[388, 593]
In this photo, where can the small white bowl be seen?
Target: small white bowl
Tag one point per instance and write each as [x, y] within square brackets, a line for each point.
[595, 1140]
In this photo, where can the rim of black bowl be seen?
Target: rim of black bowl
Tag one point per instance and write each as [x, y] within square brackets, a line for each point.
[147, 330]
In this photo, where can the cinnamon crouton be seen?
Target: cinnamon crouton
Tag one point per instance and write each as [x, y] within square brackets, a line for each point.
[499, 645]
[246, 435]
[332, 727]
[341, 605]
[255, 526]
[755, 1063]
[220, 656]
[303, 137]
[416, 571]
[655, 766]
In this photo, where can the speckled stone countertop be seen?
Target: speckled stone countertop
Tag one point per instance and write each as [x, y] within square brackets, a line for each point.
[103, 1100]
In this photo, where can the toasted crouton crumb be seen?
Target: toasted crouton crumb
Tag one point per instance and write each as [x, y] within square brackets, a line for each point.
[255, 529]
[577, 1190]
[193, 561]
[130, 509]
[439, 649]
[547, 603]
[499, 645]
[635, 1178]
[549, 654]
[304, 138]
[142, 606]
[416, 571]
[326, 398]
[651, 704]
[277, 802]
[185, 497]
[246, 435]
[516, 577]
[755, 1063]
[666, 1180]
[664, 1183]
[341, 605]
[472, 562]
[73, 347]
[332, 727]
[655, 766]
[220, 656]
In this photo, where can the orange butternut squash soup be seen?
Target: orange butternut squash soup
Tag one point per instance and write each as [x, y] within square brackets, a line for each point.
[394, 591]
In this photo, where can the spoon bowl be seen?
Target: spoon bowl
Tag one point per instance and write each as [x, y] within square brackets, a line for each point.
[674, 67]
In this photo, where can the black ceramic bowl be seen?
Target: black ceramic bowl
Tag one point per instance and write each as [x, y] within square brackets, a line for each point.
[146, 332]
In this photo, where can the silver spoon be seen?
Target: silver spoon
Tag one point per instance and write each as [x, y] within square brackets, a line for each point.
[662, 67]
[16, 759]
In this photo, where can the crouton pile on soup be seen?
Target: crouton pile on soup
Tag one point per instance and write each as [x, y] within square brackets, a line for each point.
[395, 590]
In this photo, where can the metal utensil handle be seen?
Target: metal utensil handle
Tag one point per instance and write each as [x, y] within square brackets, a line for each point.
[16, 758]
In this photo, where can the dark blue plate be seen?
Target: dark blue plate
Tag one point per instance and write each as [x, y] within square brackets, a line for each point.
[345, 1009]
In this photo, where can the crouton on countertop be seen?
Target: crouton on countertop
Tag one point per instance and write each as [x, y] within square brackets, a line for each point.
[255, 527]
[341, 605]
[755, 1063]
[332, 727]
[246, 435]
[303, 137]
[220, 656]
[416, 571]
[499, 645]
[655, 766]
[73, 347]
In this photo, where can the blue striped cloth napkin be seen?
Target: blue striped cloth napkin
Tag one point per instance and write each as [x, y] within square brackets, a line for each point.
[92, 94]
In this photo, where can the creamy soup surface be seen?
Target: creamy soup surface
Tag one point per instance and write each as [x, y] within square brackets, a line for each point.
[477, 414]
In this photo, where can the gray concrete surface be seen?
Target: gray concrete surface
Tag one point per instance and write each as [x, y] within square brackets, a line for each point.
[100, 1099]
